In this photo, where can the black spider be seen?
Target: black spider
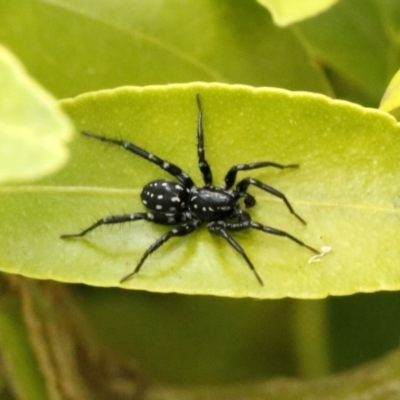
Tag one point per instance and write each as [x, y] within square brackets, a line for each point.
[184, 204]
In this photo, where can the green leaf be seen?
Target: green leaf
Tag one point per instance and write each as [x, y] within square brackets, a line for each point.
[286, 12]
[390, 14]
[350, 39]
[391, 99]
[347, 189]
[151, 42]
[33, 129]
[18, 359]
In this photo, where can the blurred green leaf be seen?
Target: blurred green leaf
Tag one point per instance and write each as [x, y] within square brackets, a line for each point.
[18, 359]
[351, 39]
[347, 189]
[74, 46]
[376, 380]
[389, 10]
[33, 129]
[286, 12]
[391, 99]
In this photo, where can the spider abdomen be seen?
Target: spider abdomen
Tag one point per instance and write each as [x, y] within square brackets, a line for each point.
[210, 203]
[166, 196]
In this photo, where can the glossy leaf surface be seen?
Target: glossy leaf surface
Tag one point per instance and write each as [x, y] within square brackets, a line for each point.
[347, 189]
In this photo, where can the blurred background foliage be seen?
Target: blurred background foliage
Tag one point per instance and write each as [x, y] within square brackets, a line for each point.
[350, 51]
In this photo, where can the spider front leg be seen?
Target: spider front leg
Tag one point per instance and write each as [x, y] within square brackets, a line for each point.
[230, 177]
[159, 218]
[205, 168]
[181, 230]
[243, 185]
[167, 166]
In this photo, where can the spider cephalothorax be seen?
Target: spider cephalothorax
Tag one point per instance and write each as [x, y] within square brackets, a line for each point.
[187, 206]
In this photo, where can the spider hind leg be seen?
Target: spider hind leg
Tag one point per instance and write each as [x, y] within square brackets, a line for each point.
[248, 223]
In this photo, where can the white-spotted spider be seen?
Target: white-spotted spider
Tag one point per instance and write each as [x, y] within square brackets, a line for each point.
[188, 207]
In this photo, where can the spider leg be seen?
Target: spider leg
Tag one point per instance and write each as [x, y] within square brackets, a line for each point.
[219, 230]
[243, 216]
[244, 184]
[167, 166]
[203, 164]
[159, 218]
[249, 200]
[237, 215]
[244, 224]
[230, 177]
[181, 230]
